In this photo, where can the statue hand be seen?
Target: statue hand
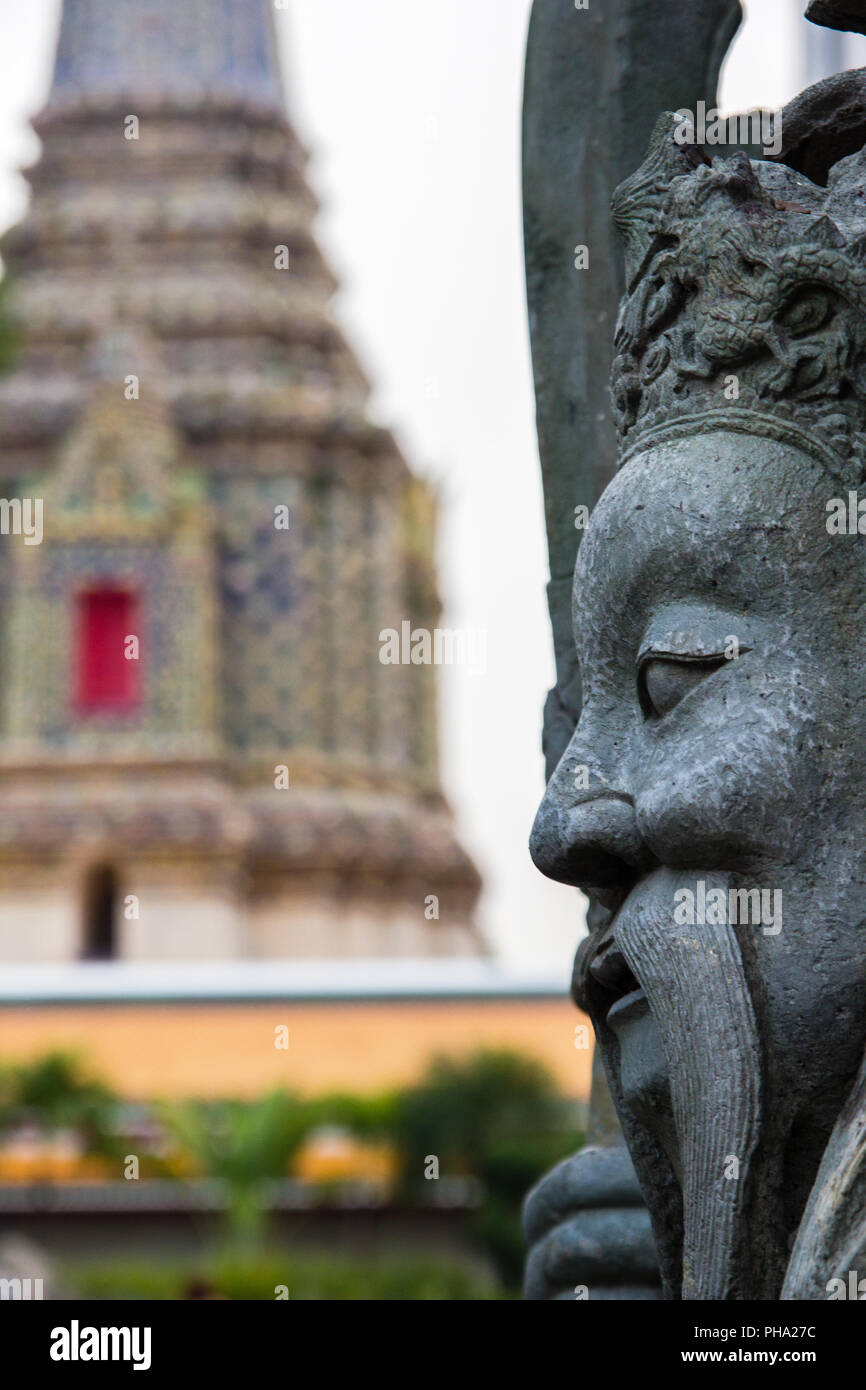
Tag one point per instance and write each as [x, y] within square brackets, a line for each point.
[589, 1231]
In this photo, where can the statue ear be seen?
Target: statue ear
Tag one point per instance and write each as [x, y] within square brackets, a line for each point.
[831, 1241]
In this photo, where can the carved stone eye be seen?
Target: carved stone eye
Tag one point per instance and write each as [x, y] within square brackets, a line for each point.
[806, 313]
[664, 681]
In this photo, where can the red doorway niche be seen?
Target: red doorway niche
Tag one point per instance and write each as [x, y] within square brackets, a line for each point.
[107, 680]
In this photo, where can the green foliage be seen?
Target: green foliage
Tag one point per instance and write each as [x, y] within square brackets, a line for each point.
[370, 1118]
[388, 1277]
[499, 1117]
[10, 331]
[462, 1109]
[238, 1140]
[495, 1116]
[55, 1092]
[508, 1168]
[242, 1144]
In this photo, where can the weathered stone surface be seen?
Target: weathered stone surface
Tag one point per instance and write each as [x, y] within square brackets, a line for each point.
[719, 594]
[595, 83]
[824, 124]
[849, 15]
[609, 1240]
[713, 767]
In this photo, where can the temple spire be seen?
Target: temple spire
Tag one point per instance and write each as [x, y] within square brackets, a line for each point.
[181, 386]
[155, 51]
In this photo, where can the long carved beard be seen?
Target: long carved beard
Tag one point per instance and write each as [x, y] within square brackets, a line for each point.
[697, 991]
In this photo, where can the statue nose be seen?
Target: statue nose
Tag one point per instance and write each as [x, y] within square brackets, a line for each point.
[594, 844]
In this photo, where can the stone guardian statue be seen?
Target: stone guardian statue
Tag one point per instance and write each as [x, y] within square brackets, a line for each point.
[711, 799]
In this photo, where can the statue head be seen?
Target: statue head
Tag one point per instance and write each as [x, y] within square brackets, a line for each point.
[712, 801]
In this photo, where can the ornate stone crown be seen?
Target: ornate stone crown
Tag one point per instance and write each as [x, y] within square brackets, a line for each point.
[745, 304]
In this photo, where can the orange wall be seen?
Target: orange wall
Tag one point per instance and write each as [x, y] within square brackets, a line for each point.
[228, 1049]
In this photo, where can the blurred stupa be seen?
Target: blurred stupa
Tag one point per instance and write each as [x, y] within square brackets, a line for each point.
[201, 755]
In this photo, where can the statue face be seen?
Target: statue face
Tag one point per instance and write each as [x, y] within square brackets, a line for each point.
[713, 799]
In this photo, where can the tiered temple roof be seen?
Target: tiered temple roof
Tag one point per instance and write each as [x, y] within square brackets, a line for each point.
[180, 376]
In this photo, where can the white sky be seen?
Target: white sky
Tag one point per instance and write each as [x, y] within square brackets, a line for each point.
[411, 112]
